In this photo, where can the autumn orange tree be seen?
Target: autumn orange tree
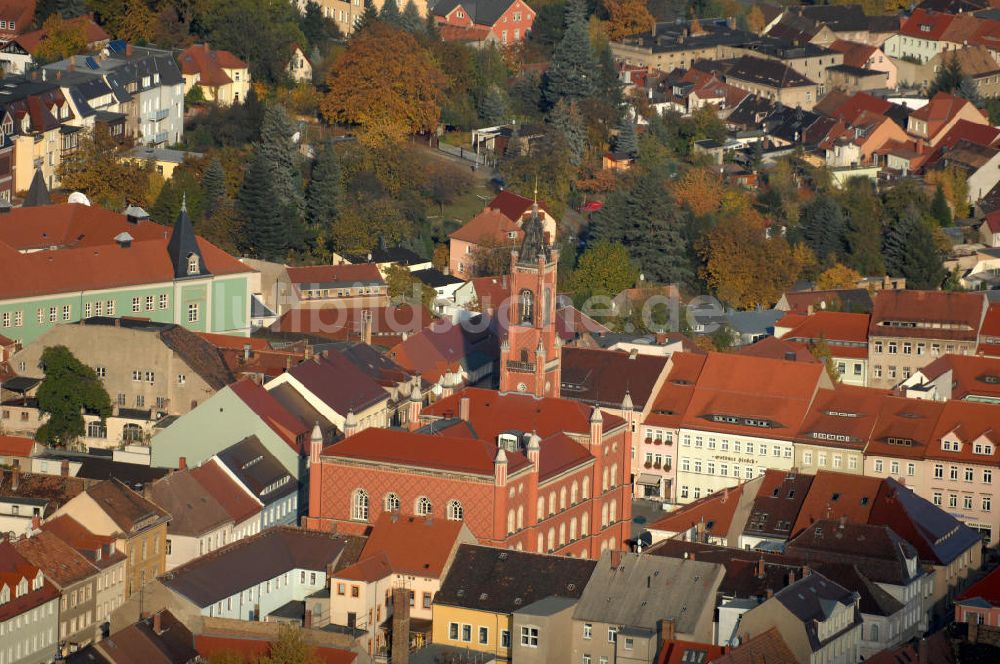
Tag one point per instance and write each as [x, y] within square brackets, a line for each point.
[700, 189]
[386, 84]
[744, 267]
[627, 17]
[62, 39]
[838, 276]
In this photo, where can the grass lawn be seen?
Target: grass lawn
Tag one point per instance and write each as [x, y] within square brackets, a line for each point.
[463, 208]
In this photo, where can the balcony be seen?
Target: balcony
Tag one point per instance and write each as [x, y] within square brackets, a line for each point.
[520, 367]
[161, 114]
[159, 138]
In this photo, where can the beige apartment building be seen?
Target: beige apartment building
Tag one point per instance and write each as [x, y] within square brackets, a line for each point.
[911, 329]
[345, 13]
[158, 366]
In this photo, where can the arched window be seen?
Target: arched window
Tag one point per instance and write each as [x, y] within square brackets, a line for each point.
[359, 505]
[541, 508]
[527, 306]
[572, 529]
[423, 506]
[562, 498]
[510, 522]
[194, 265]
[574, 493]
[562, 534]
[541, 543]
[552, 539]
[614, 474]
[391, 502]
[584, 525]
[586, 488]
[520, 517]
[604, 480]
[552, 503]
[455, 511]
[604, 515]
[131, 433]
[613, 511]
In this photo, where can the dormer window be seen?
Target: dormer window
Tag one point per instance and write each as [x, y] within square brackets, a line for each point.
[194, 265]
[22, 587]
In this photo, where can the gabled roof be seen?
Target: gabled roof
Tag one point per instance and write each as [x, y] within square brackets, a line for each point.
[334, 276]
[962, 312]
[489, 225]
[413, 545]
[431, 352]
[258, 470]
[768, 647]
[414, 450]
[482, 12]
[208, 64]
[13, 568]
[940, 110]
[231, 496]
[926, 25]
[16, 445]
[715, 512]
[638, 591]
[882, 553]
[812, 600]
[267, 408]
[971, 375]
[778, 349]
[194, 511]
[38, 193]
[139, 642]
[843, 417]
[128, 509]
[513, 206]
[671, 402]
[770, 73]
[253, 560]
[338, 383]
[603, 377]
[855, 54]
[502, 581]
[835, 495]
[986, 589]
[388, 322]
[30, 41]
[777, 504]
[60, 562]
[100, 550]
[846, 299]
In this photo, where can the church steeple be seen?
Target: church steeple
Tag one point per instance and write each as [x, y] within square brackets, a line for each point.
[530, 353]
[185, 254]
[38, 193]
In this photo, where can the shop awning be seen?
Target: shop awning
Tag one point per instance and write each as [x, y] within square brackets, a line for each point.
[648, 479]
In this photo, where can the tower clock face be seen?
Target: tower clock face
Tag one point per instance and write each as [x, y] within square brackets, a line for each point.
[521, 387]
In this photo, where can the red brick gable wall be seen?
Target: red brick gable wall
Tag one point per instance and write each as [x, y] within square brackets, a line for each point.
[514, 24]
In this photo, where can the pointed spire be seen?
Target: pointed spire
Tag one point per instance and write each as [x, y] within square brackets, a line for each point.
[534, 245]
[627, 401]
[596, 417]
[185, 254]
[317, 434]
[501, 457]
[38, 193]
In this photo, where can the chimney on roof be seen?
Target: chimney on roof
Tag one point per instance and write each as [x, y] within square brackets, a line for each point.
[760, 567]
[770, 593]
[246, 352]
[15, 475]
[699, 530]
[400, 626]
[668, 628]
[463, 408]
[182, 463]
[366, 327]
[157, 623]
[634, 353]
[806, 571]
[36, 522]
[307, 619]
[791, 577]
[64, 468]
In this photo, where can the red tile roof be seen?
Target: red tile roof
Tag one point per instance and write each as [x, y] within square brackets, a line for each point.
[842, 417]
[993, 223]
[513, 206]
[333, 379]
[833, 495]
[968, 422]
[716, 511]
[76, 535]
[685, 652]
[930, 308]
[403, 448]
[778, 349]
[846, 334]
[239, 504]
[752, 387]
[909, 423]
[860, 102]
[251, 649]
[987, 588]
[232, 341]
[971, 375]
[491, 292]
[926, 25]
[283, 423]
[87, 257]
[463, 33]
[963, 130]
[13, 568]
[940, 110]
[671, 402]
[765, 648]
[855, 54]
[489, 225]
[209, 65]
[559, 453]
[16, 446]
[492, 413]
[418, 546]
[60, 562]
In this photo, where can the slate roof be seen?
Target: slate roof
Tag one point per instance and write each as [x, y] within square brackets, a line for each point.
[253, 560]
[769, 73]
[813, 599]
[482, 12]
[38, 193]
[638, 591]
[502, 581]
[258, 469]
[876, 548]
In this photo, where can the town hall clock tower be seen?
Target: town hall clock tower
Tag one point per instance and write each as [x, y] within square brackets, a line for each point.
[530, 350]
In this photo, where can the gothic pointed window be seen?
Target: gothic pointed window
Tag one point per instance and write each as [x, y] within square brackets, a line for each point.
[527, 306]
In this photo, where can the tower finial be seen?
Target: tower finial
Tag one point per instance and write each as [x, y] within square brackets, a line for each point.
[536, 189]
[184, 202]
